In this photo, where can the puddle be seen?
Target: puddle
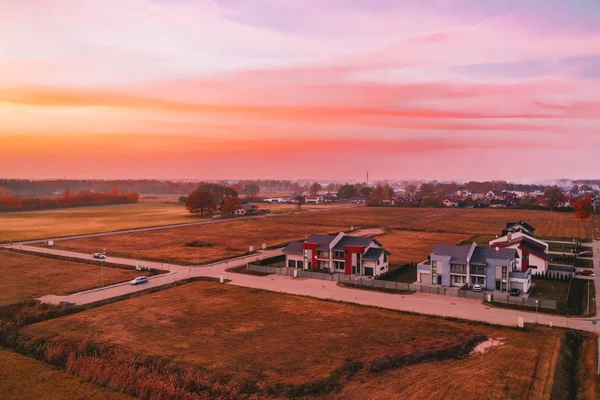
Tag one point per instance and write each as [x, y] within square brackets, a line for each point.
[482, 347]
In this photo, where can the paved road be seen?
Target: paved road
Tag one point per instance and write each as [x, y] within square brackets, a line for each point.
[154, 228]
[175, 273]
[417, 302]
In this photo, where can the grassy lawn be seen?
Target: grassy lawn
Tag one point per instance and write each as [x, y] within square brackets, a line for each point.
[71, 221]
[24, 276]
[402, 273]
[549, 289]
[267, 340]
[26, 378]
[228, 239]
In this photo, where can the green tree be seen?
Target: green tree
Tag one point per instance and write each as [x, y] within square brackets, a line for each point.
[554, 196]
[347, 191]
[300, 201]
[365, 192]
[200, 201]
[251, 189]
[314, 188]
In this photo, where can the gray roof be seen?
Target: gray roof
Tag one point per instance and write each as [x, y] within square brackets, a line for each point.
[458, 254]
[354, 241]
[482, 253]
[373, 253]
[323, 241]
[294, 248]
[522, 223]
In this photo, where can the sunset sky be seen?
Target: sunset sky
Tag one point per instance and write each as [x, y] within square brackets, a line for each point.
[317, 89]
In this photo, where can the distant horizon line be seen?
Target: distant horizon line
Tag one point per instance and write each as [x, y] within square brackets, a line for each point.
[544, 181]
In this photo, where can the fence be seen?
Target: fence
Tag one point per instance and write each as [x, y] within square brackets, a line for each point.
[522, 301]
[367, 282]
[496, 297]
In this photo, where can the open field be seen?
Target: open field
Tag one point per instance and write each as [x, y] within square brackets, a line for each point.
[276, 344]
[26, 378]
[224, 240]
[278, 208]
[416, 232]
[467, 221]
[410, 246]
[26, 225]
[23, 276]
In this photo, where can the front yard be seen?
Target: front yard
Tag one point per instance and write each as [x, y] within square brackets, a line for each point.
[549, 289]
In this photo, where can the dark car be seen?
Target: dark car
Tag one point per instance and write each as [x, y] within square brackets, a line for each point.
[515, 292]
[99, 255]
[585, 272]
[586, 253]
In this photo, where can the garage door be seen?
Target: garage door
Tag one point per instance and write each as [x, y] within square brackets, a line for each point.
[517, 285]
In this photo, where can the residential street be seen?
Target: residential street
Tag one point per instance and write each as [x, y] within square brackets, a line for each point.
[447, 306]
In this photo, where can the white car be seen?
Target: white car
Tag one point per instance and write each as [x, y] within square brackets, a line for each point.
[99, 255]
[139, 280]
[477, 288]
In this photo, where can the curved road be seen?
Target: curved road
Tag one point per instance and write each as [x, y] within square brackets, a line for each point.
[446, 306]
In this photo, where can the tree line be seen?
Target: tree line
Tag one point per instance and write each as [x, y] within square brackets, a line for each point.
[8, 202]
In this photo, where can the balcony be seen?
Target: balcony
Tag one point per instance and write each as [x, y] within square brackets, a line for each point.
[478, 271]
[458, 269]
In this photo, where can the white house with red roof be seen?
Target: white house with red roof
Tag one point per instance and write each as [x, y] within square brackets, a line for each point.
[533, 253]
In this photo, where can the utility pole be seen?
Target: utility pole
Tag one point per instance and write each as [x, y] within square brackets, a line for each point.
[588, 298]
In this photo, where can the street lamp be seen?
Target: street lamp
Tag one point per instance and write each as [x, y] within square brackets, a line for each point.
[197, 250]
[257, 232]
[536, 311]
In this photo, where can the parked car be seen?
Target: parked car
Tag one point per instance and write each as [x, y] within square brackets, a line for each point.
[515, 292]
[139, 280]
[477, 288]
[584, 272]
[216, 216]
[587, 253]
[99, 255]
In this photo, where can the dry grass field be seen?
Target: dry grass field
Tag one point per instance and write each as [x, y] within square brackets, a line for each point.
[452, 220]
[410, 246]
[278, 208]
[414, 233]
[264, 339]
[228, 239]
[23, 276]
[44, 224]
[25, 378]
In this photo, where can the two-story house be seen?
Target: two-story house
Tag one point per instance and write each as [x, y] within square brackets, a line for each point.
[465, 266]
[533, 253]
[350, 255]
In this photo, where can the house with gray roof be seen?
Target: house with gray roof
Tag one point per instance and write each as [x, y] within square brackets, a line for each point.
[350, 255]
[492, 268]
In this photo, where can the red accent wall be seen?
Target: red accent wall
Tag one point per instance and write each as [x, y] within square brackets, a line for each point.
[349, 251]
[524, 264]
[313, 247]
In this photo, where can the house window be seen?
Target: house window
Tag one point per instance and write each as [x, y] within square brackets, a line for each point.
[434, 279]
[339, 265]
[368, 271]
[299, 264]
[291, 263]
